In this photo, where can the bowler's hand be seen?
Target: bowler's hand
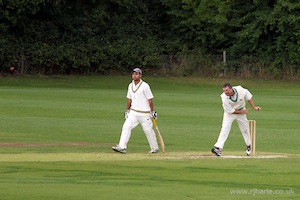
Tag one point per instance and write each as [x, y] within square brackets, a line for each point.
[257, 108]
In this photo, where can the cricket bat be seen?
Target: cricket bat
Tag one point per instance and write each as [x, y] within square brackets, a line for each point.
[161, 141]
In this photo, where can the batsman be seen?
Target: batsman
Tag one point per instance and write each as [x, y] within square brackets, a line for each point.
[139, 110]
[234, 104]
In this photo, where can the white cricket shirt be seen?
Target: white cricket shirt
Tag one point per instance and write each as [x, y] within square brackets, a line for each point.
[237, 101]
[140, 95]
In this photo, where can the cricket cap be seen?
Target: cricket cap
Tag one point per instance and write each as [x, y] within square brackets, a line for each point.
[138, 70]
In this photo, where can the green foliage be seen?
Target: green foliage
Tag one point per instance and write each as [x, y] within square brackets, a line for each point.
[265, 31]
[288, 30]
[78, 36]
[44, 36]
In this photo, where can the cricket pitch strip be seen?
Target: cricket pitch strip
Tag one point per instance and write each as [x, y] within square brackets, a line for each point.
[112, 156]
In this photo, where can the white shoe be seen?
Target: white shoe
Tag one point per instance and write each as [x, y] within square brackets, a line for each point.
[153, 151]
[119, 149]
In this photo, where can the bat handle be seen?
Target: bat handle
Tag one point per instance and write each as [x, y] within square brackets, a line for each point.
[154, 122]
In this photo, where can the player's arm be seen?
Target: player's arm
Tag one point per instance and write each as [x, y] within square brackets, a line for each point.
[153, 113]
[126, 113]
[149, 96]
[128, 104]
[248, 97]
[251, 102]
[229, 109]
[241, 111]
[151, 104]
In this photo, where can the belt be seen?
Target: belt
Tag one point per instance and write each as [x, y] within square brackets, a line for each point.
[139, 111]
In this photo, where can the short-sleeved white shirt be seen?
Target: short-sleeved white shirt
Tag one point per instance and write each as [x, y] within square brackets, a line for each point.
[140, 95]
[237, 101]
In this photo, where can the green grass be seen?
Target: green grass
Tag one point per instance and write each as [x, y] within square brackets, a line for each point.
[57, 132]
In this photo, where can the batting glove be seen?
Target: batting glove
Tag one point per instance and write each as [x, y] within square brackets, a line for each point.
[126, 113]
[153, 114]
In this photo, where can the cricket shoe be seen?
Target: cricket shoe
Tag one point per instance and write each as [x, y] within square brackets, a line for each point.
[248, 150]
[119, 149]
[216, 151]
[153, 151]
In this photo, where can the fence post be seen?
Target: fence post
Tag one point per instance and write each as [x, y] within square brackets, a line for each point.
[224, 62]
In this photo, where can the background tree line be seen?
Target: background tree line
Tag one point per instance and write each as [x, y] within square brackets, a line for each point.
[261, 37]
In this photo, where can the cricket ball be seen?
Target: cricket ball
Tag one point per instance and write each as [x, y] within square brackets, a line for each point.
[12, 69]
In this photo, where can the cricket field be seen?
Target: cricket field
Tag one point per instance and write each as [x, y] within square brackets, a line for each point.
[57, 132]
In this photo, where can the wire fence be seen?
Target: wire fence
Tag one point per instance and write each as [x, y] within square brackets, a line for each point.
[221, 65]
[216, 65]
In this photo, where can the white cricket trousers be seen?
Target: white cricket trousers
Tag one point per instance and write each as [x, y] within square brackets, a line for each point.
[243, 124]
[135, 118]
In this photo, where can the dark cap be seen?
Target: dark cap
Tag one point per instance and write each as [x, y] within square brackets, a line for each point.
[138, 70]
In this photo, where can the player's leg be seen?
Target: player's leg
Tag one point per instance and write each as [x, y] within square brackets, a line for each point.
[243, 124]
[226, 126]
[147, 125]
[130, 123]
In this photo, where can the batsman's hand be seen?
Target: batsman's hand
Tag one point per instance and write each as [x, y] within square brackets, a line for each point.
[153, 114]
[126, 113]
